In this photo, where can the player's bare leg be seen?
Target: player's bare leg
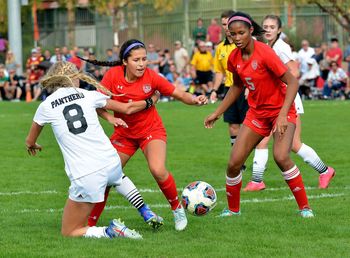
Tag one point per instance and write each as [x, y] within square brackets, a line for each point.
[245, 143]
[290, 172]
[74, 219]
[155, 153]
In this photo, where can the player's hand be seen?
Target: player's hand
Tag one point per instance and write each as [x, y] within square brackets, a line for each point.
[210, 120]
[213, 97]
[281, 125]
[32, 149]
[118, 122]
[200, 100]
[155, 97]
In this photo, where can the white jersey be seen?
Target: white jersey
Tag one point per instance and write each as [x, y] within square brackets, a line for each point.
[74, 121]
[284, 52]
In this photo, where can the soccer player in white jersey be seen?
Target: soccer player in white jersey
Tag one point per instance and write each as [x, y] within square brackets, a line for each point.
[91, 162]
[272, 25]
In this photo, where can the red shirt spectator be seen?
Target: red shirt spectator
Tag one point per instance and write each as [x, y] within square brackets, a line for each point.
[214, 32]
[335, 53]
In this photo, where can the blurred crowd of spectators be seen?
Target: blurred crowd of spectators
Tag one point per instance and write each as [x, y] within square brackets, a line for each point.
[324, 68]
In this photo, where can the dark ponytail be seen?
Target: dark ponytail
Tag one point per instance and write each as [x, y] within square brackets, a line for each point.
[248, 21]
[124, 53]
[101, 63]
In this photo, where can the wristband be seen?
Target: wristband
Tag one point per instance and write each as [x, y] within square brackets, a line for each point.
[149, 103]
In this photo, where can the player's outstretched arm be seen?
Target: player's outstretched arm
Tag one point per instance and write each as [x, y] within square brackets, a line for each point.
[132, 107]
[34, 132]
[189, 99]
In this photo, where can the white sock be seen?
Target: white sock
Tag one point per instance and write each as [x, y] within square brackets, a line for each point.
[130, 192]
[259, 164]
[96, 232]
[310, 157]
[234, 180]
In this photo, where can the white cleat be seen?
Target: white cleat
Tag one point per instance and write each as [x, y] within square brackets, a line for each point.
[180, 218]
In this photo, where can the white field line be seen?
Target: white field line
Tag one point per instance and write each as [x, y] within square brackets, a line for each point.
[147, 190]
[28, 193]
[255, 200]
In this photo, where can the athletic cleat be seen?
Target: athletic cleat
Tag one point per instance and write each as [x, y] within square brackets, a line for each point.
[228, 213]
[117, 228]
[307, 213]
[325, 178]
[254, 186]
[151, 218]
[180, 218]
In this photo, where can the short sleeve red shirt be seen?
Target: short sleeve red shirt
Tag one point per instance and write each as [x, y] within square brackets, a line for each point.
[143, 122]
[261, 75]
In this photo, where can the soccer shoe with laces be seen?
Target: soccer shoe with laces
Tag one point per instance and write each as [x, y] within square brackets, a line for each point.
[180, 218]
[228, 213]
[117, 229]
[325, 178]
[254, 186]
[151, 218]
[306, 213]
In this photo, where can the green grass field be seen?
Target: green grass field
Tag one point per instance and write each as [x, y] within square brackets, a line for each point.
[33, 191]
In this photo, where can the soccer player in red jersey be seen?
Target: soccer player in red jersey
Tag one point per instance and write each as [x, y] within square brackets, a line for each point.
[256, 67]
[272, 25]
[131, 80]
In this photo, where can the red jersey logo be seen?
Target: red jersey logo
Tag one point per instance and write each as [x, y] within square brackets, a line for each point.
[254, 64]
[147, 88]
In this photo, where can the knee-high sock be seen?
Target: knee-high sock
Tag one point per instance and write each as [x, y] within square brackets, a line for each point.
[98, 209]
[295, 182]
[259, 164]
[310, 156]
[130, 192]
[168, 187]
[233, 192]
[127, 189]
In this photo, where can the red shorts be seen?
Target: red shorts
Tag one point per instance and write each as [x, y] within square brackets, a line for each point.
[130, 145]
[264, 125]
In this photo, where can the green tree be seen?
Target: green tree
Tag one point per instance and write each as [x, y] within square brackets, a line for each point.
[339, 10]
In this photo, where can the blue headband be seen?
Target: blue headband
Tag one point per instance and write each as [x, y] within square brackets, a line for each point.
[127, 50]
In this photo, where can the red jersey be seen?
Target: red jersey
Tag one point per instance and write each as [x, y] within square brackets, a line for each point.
[140, 123]
[261, 75]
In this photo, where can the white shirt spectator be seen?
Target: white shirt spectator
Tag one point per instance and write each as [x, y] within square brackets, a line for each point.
[304, 54]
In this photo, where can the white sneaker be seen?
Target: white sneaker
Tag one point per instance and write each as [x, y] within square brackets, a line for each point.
[117, 229]
[180, 218]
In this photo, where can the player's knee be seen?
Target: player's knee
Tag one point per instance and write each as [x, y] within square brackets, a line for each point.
[159, 172]
[65, 232]
[281, 158]
[233, 169]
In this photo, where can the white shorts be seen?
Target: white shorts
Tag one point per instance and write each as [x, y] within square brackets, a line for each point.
[298, 104]
[91, 188]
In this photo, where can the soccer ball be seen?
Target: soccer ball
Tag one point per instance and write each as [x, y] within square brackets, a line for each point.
[198, 198]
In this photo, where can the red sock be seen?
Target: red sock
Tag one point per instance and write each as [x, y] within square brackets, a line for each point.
[168, 188]
[98, 209]
[295, 182]
[233, 194]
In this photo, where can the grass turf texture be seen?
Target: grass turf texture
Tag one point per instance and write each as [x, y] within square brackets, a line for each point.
[33, 191]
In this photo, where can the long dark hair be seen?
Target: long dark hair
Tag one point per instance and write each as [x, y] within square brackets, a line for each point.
[124, 53]
[248, 21]
[279, 25]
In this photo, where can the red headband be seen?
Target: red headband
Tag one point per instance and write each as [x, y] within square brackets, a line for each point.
[239, 18]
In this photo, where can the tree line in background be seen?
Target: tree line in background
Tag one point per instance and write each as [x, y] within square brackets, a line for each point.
[339, 10]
